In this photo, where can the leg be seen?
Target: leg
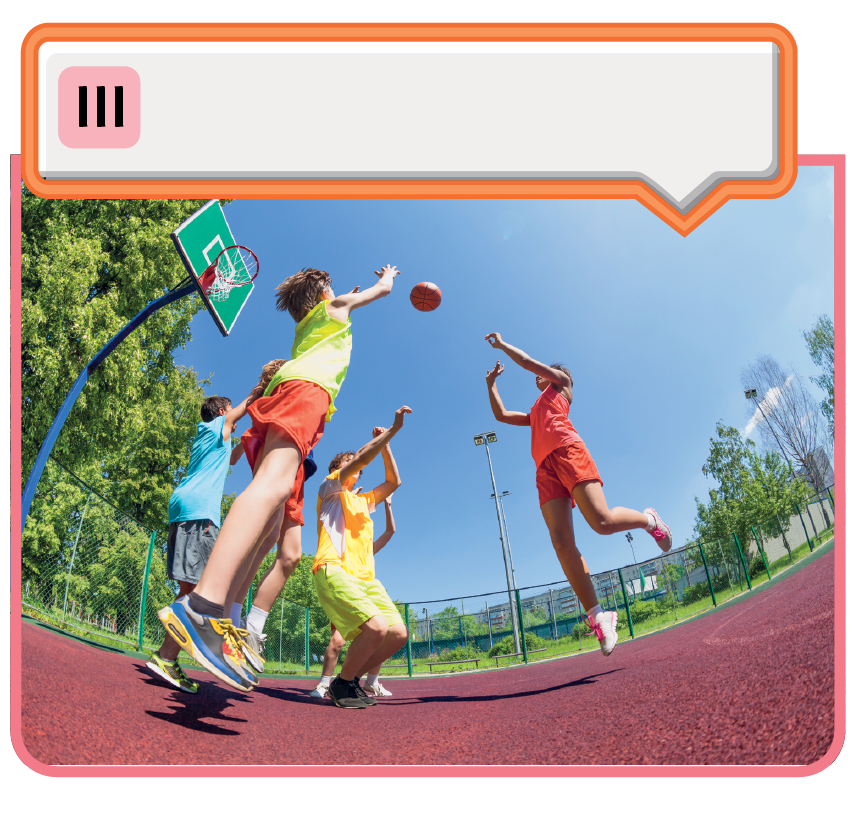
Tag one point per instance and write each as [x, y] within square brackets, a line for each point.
[169, 650]
[288, 557]
[558, 515]
[329, 661]
[272, 485]
[332, 653]
[373, 633]
[247, 573]
[602, 519]
[396, 637]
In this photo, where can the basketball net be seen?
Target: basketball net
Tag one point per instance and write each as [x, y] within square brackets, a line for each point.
[235, 266]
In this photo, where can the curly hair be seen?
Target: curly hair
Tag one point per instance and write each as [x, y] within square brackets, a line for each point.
[268, 372]
[338, 460]
[299, 293]
[211, 407]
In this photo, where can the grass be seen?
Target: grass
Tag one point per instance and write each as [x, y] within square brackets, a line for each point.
[563, 647]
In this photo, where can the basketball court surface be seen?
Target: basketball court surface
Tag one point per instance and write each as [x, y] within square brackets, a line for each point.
[749, 684]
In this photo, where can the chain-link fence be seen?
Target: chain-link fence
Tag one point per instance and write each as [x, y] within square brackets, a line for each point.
[89, 567]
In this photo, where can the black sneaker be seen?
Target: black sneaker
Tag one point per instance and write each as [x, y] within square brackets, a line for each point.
[360, 692]
[343, 693]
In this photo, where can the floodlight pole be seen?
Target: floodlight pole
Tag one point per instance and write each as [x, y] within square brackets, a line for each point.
[72, 397]
[630, 541]
[506, 531]
[510, 586]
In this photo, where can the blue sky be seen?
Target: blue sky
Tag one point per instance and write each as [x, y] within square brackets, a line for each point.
[655, 328]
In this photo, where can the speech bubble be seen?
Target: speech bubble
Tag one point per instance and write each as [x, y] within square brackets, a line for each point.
[681, 118]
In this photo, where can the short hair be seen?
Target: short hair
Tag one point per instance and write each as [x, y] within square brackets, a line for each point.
[299, 293]
[338, 460]
[268, 372]
[563, 369]
[212, 405]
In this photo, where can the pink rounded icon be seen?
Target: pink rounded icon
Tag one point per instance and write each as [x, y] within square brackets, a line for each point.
[99, 107]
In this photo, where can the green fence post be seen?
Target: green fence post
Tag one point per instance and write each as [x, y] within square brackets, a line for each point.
[804, 528]
[626, 603]
[521, 625]
[145, 590]
[743, 562]
[762, 552]
[409, 641]
[249, 599]
[831, 498]
[306, 640]
[707, 574]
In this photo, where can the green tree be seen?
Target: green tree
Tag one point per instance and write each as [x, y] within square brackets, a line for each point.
[754, 490]
[87, 268]
[821, 345]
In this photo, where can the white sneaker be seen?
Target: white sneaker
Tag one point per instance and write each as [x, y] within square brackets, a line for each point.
[606, 631]
[377, 689]
[661, 533]
[320, 691]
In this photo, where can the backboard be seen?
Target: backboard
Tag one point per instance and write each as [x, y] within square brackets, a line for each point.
[199, 239]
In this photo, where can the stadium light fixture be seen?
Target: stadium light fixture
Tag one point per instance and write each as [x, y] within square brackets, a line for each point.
[478, 440]
[491, 437]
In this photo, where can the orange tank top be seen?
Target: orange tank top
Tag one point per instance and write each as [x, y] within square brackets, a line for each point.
[550, 426]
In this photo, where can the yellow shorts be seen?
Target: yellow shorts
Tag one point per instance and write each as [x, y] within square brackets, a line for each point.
[349, 601]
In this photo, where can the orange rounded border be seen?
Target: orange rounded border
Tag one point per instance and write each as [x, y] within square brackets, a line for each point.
[401, 32]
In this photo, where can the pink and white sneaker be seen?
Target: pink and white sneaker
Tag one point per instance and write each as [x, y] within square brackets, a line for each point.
[606, 631]
[661, 533]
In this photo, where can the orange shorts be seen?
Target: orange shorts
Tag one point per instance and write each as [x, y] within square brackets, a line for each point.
[297, 410]
[563, 469]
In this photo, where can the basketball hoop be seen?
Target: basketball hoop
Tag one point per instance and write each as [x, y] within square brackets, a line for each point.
[234, 266]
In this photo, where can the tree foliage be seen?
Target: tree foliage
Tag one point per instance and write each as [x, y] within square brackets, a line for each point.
[753, 489]
[87, 268]
[821, 345]
[789, 416]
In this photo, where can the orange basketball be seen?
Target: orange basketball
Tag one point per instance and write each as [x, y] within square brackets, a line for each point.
[425, 296]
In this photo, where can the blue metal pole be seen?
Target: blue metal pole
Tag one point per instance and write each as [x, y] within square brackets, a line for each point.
[69, 403]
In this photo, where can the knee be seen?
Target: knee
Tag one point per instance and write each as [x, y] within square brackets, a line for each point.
[563, 541]
[601, 523]
[378, 626]
[399, 634]
[289, 561]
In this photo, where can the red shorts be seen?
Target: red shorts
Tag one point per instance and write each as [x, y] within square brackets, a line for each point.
[563, 469]
[297, 410]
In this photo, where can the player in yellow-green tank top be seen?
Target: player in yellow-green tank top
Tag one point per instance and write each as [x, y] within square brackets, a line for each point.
[288, 421]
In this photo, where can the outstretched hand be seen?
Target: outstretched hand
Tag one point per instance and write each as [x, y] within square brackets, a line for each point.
[494, 340]
[387, 269]
[490, 375]
[399, 416]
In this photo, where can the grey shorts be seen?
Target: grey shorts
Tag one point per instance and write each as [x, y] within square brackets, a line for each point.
[190, 545]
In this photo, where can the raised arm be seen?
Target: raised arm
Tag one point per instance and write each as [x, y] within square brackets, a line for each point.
[383, 538]
[374, 447]
[524, 361]
[235, 414]
[501, 414]
[393, 479]
[235, 454]
[341, 306]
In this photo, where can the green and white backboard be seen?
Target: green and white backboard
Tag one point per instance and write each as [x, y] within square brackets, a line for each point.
[199, 239]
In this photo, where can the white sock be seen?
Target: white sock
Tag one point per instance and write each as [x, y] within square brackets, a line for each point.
[325, 680]
[594, 612]
[652, 523]
[256, 619]
[372, 678]
[235, 614]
